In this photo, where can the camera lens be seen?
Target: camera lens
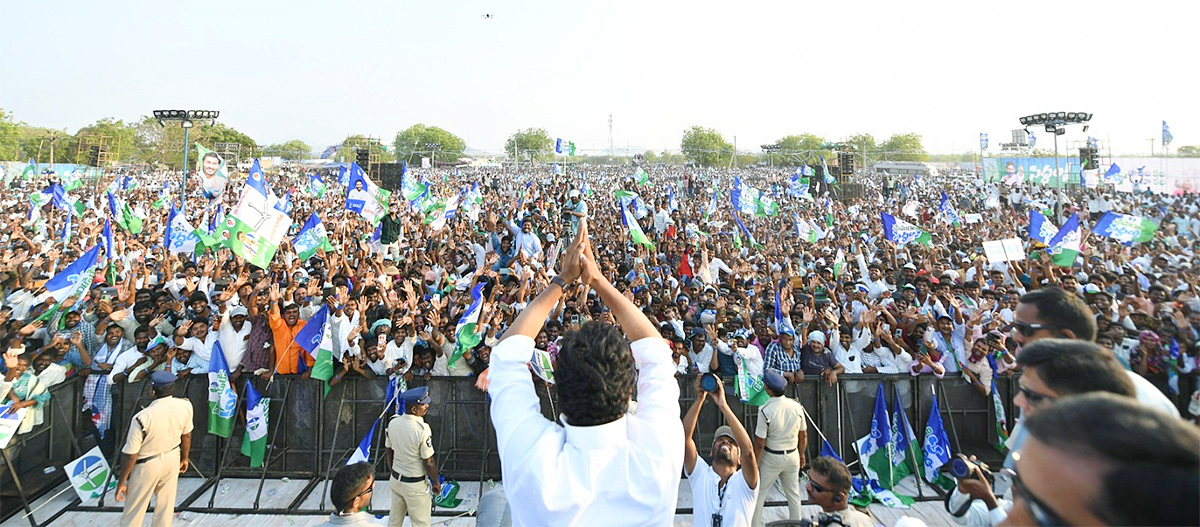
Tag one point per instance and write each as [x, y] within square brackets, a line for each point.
[959, 468]
[708, 382]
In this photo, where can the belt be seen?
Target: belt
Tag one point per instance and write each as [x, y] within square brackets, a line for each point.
[780, 452]
[155, 456]
[407, 479]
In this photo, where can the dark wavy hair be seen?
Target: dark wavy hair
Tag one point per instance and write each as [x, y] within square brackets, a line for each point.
[594, 374]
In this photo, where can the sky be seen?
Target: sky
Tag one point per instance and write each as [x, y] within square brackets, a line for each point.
[754, 70]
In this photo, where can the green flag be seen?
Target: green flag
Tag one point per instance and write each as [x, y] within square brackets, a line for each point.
[254, 441]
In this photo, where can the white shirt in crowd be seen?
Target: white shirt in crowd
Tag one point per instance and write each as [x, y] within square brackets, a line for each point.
[625, 472]
[735, 505]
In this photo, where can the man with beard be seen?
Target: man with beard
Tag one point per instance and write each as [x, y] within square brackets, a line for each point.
[724, 493]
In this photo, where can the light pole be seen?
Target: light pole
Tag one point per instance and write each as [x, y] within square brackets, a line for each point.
[1055, 123]
[433, 149]
[770, 149]
[186, 119]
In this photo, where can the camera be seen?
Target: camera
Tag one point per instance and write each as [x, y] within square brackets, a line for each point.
[823, 520]
[961, 468]
[709, 382]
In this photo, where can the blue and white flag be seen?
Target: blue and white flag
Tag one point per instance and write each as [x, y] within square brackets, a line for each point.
[936, 446]
[1125, 228]
[1032, 140]
[344, 176]
[671, 202]
[1172, 367]
[712, 206]
[825, 168]
[364, 196]
[902, 232]
[906, 455]
[1167, 137]
[1113, 170]
[743, 197]
[180, 236]
[222, 397]
[554, 168]
[109, 246]
[749, 235]
[983, 141]
[309, 337]
[949, 215]
[875, 448]
[311, 238]
[75, 279]
[363, 452]
[798, 186]
[329, 152]
[1040, 228]
[827, 450]
[804, 230]
[465, 334]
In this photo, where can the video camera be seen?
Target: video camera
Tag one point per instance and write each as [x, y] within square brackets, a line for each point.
[823, 520]
[960, 468]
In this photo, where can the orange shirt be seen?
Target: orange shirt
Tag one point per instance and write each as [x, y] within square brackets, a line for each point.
[287, 352]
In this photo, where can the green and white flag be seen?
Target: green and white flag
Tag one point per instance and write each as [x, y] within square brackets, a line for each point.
[365, 197]
[311, 238]
[1065, 246]
[124, 215]
[39, 199]
[902, 232]
[767, 206]
[542, 366]
[641, 176]
[876, 448]
[71, 180]
[316, 337]
[750, 390]
[254, 441]
[465, 335]
[1001, 420]
[316, 187]
[635, 231]
[222, 398]
[257, 224]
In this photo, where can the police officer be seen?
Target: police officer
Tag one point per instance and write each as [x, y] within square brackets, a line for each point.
[410, 454]
[780, 441]
[156, 453]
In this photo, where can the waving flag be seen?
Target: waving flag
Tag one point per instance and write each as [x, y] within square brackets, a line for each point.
[1040, 228]
[71, 180]
[362, 454]
[983, 141]
[876, 447]
[767, 206]
[365, 197]
[316, 187]
[949, 215]
[124, 215]
[712, 206]
[804, 231]
[749, 235]
[635, 231]
[1112, 171]
[312, 236]
[671, 201]
[798, 186]
[1125, 228]
[641, 176]
[902, 232]
[66, 230]
[30, 170]
[562, 146]
[39, 199]
[316, 338]
[744, 197]
[285, 205]
[1173, 357]
[109, 246]
[222, 398]
[255, 227]
[828, 175]
[465, 335]
[827, 450]
[906, 452]
[1065, 245]
[164, 199]
[180, 236]
[750, 389]
[75, 279]
[254, 441]
[1167, 137]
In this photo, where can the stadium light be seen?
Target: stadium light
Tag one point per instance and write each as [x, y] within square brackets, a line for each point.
[1055, 124]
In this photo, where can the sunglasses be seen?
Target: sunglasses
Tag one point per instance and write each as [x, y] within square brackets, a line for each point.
[816, 487]
[1027, 329]
[1043, 515]
[1033, 397]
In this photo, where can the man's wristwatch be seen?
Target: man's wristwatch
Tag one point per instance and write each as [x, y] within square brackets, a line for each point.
[557, 280]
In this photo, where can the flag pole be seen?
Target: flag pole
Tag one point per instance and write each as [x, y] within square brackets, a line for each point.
[917, 467]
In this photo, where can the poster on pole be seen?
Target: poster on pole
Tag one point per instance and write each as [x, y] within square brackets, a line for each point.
[10, 420]
[213, 172]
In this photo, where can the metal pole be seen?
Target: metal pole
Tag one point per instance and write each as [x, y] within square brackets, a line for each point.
[183, 181]
[1058, 174]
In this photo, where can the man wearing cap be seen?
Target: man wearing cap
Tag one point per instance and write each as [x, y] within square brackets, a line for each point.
[410, 454]
[156, 453]
[780, 441]
[724, 493]
[576, 208]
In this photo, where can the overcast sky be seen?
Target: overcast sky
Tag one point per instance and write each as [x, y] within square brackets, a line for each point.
[757, 70]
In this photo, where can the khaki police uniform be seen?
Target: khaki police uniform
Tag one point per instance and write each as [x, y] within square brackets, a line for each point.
[154, 437]
[411, 442]
[780, 421]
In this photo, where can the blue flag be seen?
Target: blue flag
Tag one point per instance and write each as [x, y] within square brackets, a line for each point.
[1125, 228]
[1113, 170]
[983, 141]
[875, 449]
[949, 214]
[309, 336]
[108, 240]
[75, 278]
[363, 452]
[1172, 366]
[827, 450]
[1040, 228]
[937, 445]
[1167, 137]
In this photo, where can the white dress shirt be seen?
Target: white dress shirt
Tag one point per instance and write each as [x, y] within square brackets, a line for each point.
[736, 503]
[625, 472]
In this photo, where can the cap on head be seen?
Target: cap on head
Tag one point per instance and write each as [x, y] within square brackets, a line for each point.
[574, 193]
[774, 380]
[239, 311]
[816, 336]
[417, 396]
[162, 379]
[724, 430]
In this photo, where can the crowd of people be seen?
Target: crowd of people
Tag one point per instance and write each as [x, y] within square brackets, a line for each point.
[809, 287]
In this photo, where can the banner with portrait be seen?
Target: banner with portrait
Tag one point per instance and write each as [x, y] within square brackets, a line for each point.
[213, 172]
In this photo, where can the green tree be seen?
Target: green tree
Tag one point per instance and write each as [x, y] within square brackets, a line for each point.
[529, 144]
[292, 149]
[209, 136]
[706, 146]
[410, 143]
[10, 137]
[1188, 151]
[799, 149]
[904, 147]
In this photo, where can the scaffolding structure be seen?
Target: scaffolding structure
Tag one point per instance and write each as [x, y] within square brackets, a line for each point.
[109, 149]
[231, 152]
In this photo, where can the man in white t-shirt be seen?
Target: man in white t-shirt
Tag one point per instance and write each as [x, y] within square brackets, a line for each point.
[725, 492]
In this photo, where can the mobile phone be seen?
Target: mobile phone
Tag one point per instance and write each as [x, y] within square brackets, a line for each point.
[108, 293]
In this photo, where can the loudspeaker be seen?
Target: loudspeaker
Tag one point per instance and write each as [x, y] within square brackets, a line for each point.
[848, 192]
[362, 156]
[391, 175]
[1087, 157]
[846, 163]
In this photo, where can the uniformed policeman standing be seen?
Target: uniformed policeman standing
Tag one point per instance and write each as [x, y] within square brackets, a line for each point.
[410, 452]
[156, 453]
[780, 441]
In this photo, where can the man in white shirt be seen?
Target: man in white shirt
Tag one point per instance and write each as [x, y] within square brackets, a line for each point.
[602, 466]
[724, 493]
[233, 334]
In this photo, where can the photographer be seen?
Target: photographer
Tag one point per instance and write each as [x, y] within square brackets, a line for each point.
[726, 491]
[1052, 368]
